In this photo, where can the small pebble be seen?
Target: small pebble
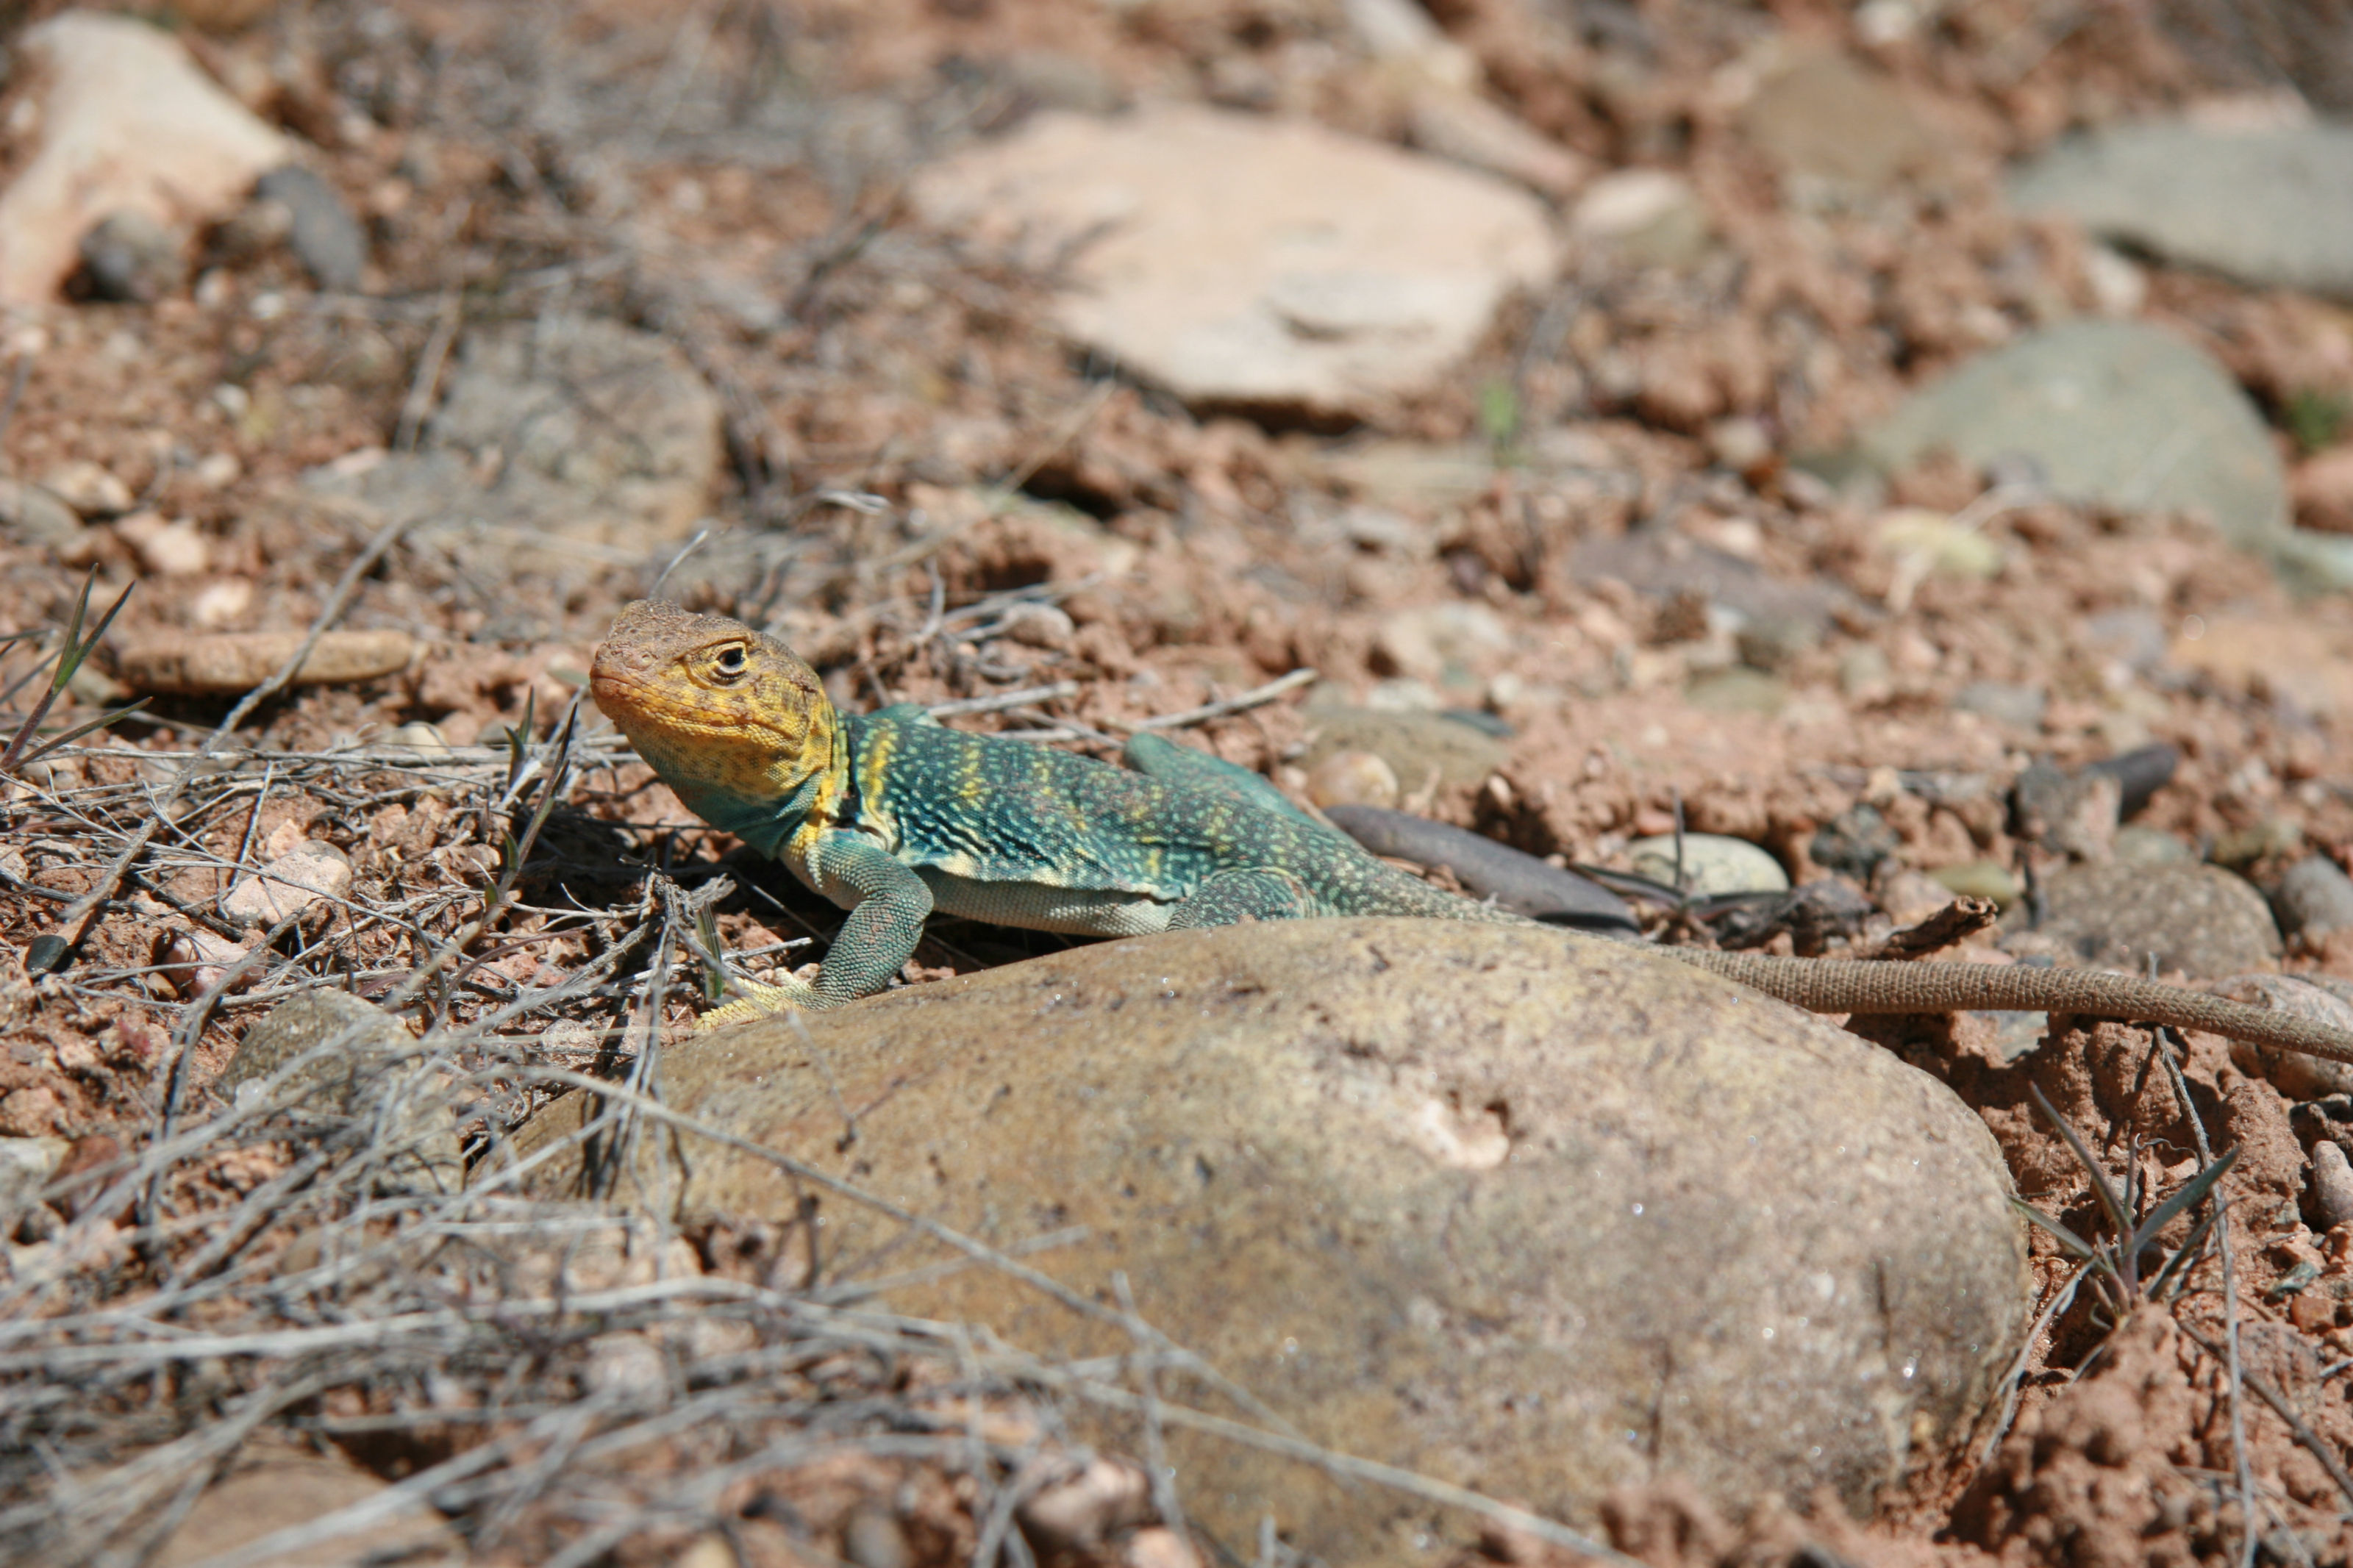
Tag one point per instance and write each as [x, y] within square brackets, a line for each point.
[2074, 813]
[2314, 898]
[1352, 778]
[1712, 864]
[2151, 846]
[1864, 673]
[2332, 1184]
[2139, 772]
[418, 736]
[165, 548]
[1048, 626]
[88, 489]
[2017, 706]
[1087, 1507]
[292, 882]
[129, 257]
[192, 960]
[1931, 537]
[2266, 840]
[1854, 842]
[872, 1537]
[221, 603]
[35, 516]
[227, 664]
[321, 232]
[1979, 879]
[25, 1166]
[1772, 643]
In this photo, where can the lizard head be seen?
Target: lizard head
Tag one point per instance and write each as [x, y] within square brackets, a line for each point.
[729, 718]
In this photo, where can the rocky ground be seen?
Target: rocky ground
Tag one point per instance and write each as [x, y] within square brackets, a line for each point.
[1905, 448]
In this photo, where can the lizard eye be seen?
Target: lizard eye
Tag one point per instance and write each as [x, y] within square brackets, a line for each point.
[729, 661]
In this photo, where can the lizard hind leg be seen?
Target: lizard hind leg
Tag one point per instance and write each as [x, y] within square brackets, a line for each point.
[1229, 898]
[1156, 758]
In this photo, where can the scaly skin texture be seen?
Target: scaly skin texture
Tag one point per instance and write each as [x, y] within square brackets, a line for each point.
[891, 816]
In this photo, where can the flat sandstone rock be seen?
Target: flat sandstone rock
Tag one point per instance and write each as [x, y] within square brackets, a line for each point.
[1242, 261]
[1531, 1214]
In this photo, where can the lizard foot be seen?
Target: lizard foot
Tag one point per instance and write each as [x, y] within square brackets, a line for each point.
[758, 1002]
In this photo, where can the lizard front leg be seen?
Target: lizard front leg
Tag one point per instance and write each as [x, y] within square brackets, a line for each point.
[884, 924]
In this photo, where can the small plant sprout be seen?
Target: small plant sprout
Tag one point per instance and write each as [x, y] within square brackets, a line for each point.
[72, 650]
[2115, 1260]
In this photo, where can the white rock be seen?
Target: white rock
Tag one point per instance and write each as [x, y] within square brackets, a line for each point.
[221, 604]
[25, 1166]
[1401, 30]
[1242, 261]
[166, 548]
[1711, 863]
[1436, 641]
[294, 882]
[120, 121]
[81, 484]
[1648, 214]
[193, 961]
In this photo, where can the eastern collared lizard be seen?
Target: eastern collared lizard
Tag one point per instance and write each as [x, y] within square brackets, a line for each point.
[892, 815]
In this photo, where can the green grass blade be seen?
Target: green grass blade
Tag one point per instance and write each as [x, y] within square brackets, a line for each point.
[2119, 1218]
[78, 730]
[2192, 1191]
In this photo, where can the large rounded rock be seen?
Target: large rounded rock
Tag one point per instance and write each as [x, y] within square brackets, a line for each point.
[2272, 208]
[1530, 1213]
[2127, 415]
[2200, 919]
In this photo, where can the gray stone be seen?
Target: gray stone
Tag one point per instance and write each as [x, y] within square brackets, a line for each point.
[1413, 744]
[597, 433]
[2313, 899]
[2332, 1184]
[25, 1166]
[2200, 919]
[2005, 702]
[280, 1488]
[1537, 1213]
[1831, 119]
[2271, 207]
[1666, 563]
[1240, 260]
[361, 1074]
[2124, 416]
[2075, 814]
[35, 516]
[129, 257]
[1853, 842]
[1649, 216]
[323, 235]
[1737, 690]
[2151, 846]
[1712, 864]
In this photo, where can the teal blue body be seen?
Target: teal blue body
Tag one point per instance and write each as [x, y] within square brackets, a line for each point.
[1022, 835]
